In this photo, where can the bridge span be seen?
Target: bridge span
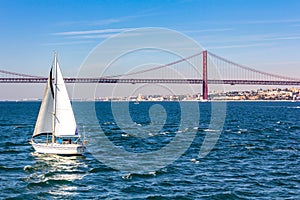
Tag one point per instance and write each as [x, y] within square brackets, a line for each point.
[228, 73]
[153, 81]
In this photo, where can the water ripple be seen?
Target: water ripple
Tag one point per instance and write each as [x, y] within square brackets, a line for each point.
[256, 157]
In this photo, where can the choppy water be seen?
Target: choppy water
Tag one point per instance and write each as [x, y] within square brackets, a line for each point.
[256, 157]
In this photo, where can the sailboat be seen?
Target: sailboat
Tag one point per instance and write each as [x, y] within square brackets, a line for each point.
[56, 130]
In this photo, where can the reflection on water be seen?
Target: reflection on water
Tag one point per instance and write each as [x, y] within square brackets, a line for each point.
[56, 163]
[56, 173]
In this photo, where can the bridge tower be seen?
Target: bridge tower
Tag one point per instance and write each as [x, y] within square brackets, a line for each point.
[204, 77]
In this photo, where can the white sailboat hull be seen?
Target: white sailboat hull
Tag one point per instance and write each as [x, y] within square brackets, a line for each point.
[59, 149]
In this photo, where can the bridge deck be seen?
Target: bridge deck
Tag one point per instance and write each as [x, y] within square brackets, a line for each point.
[162, 81]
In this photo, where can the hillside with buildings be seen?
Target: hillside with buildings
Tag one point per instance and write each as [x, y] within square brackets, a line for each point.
[291, 94]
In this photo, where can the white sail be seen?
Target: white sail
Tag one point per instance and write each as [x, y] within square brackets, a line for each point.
[64, 120]
[56, 117]
[44, 121]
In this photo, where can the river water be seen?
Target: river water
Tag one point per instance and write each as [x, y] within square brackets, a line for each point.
[256, 155]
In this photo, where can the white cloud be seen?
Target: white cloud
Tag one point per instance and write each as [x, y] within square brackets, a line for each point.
[90, 22]
[237, 46]
[283, 38]
[254, 38]
[229, 22]
[282, 63]
[101, 22]
[93, 36]
[87, 32]
[208, 30]
[67, 43]
[280, 21]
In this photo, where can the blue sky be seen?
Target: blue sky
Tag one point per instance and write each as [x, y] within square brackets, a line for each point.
[260, 33]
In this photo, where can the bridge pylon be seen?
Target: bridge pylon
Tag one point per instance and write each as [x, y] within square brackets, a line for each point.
[204, 76]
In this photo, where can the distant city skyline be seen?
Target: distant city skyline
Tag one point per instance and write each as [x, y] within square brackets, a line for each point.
[274, 94]
[261, 34]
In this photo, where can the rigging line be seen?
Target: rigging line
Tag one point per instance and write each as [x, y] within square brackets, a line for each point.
[251, 69]
[19, 74]
[155, 68]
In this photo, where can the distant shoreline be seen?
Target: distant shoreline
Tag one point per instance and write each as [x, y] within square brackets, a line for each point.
[200, 101]
[259, 95]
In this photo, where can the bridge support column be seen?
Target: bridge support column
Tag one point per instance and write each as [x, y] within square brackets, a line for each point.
[204, 77]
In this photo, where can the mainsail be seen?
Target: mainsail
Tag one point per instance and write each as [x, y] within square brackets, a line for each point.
[64, 120]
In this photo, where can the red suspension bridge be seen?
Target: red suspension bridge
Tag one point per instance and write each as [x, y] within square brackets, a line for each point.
[201, 68]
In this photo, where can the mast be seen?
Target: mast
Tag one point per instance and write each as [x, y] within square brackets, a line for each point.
[64, 124]
[55, 97]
